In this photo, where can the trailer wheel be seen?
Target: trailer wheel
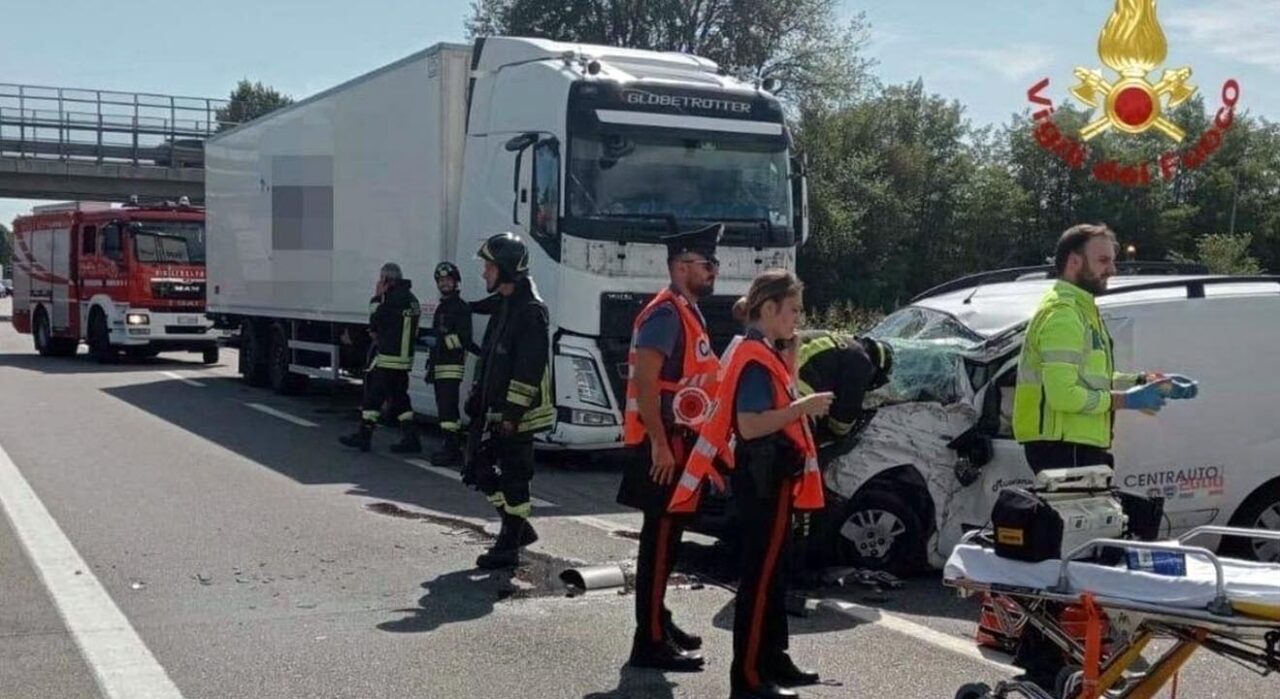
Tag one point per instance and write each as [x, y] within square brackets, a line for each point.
[253, 354]
[1261, 510]
[282, 380]
[100, 338]
[879, 529]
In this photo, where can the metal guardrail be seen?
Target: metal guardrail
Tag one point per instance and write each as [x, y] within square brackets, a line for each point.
[106, 126]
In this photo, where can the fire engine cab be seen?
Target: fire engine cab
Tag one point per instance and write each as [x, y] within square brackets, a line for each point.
[127, 278]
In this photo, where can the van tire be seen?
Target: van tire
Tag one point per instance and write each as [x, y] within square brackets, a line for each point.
[892, 532]
[1261, 510]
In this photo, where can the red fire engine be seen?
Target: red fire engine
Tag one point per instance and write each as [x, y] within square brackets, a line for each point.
[122, 279]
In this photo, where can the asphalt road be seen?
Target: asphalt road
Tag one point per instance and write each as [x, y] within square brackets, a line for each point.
[171, 532]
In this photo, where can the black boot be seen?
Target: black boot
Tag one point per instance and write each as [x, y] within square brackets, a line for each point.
[409, 443]
[768, 690]
[783, 670]
[505, 552]
[664, 655]
[362, 439]
[450, 451]
[679, 637]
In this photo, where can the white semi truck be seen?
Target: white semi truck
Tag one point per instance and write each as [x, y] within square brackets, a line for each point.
[588, 153]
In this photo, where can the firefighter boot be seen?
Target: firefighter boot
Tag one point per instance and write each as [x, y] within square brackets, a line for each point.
[516, 532]
[409, 443]
[362, 440]
[450, 452]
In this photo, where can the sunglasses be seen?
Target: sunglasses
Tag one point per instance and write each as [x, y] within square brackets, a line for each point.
[711, 264]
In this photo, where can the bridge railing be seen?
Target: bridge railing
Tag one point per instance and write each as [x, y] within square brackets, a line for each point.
[106, 126]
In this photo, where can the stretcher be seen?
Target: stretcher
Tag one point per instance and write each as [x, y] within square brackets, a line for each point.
[1225, 606]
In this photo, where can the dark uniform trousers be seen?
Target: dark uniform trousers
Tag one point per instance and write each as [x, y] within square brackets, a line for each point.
[448, 393]
[760, 630]
[659, 536]
[507, 484]
[389, 386]
[1042, 456]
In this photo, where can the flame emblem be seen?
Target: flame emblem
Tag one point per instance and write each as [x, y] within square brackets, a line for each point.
[1133, 45]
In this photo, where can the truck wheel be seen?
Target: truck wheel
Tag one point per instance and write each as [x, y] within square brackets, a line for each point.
[282, 380]
[1260, 511]
[100, 339]
[42, 334]
[209, 355]
[880, 529]
[253, 355]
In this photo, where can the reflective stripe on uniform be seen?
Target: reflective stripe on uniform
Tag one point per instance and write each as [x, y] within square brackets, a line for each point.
[451, 426]
[1029, 375]
[387, 361]
[371, 415]
[519, 399]
[837, 427]
[1092, 401]
[405, 416]
[523, 510]
[447, 371]
[498, 500]
[452, 342]
[1095, 382]
[1061, 357]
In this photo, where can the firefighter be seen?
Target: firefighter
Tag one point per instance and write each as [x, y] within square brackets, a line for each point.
[672, 371]
[847, 367]
[451, 330]
[393, 327]
[511, 397]
[759, 429]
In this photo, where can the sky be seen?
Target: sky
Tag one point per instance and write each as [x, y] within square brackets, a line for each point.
[984, 53]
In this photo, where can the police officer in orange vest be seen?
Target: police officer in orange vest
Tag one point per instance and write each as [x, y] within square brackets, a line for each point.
[759, 430]
[672, 371]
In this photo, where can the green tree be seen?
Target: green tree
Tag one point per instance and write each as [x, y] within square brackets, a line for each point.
[250, 101]
[6, 249]
[1224, 254]
[802, 43]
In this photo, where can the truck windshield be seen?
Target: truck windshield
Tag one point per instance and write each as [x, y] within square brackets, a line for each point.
[150, 247]
[189, 241]
[612, 175]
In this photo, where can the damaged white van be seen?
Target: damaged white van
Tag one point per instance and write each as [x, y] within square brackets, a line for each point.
[938, 446]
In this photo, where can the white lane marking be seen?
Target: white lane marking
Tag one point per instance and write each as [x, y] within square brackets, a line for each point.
[179, 377]
[919, 632]
[456, 476]
[122, 665]
[280, 414]
[604, 525]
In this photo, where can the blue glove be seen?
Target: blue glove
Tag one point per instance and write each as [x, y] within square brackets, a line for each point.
[1147, 397]
[1182, 387]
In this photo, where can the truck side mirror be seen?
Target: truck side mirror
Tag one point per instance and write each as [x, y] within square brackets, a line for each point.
[800, 198]
[519, 187]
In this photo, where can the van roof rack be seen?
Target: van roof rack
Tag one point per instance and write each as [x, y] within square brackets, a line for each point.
[1009, 274]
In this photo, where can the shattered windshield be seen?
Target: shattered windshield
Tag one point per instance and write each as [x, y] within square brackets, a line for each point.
[918, 323]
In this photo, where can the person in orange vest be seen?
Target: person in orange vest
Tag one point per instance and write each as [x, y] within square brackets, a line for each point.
[759, 430]
[671, 379]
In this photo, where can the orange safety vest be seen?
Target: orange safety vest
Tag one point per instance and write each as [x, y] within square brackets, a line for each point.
[717, 438]
[691, 395]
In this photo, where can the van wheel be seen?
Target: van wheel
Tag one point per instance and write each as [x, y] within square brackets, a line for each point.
[282, 380]
[1260, 511]
[976, 690]
[880, 529]
[100, 339]
[253, 354]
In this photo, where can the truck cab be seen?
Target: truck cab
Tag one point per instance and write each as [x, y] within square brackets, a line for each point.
[121, 279]
[594, 153]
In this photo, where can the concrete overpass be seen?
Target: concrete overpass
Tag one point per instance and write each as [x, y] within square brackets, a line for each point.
[66, 143]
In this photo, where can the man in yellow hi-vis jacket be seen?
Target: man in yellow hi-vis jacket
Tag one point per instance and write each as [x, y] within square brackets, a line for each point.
[1068, 388]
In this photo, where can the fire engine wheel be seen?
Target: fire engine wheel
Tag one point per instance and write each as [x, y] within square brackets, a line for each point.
[209, 356]
[48, 345]
[282, 380]
[880, 529]
[100, 339]
[1260, 511]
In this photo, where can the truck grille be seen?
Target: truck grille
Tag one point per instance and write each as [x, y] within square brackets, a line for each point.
[618, 311]
[193, 290]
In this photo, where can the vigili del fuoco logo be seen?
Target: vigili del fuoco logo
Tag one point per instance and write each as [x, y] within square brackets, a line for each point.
[1127, 100]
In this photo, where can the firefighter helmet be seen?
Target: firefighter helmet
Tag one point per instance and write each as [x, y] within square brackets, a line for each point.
[508, 254]
[448, 269]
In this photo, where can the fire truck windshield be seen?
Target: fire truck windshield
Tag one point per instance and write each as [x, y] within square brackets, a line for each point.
[169, 241]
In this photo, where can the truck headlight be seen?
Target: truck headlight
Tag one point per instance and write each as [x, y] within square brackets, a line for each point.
[137, 319]
[590, 386]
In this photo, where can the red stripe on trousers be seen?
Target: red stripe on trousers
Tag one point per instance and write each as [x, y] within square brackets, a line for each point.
[749, 665]
[658, 592]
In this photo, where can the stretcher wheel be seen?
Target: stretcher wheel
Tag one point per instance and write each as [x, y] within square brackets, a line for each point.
[974, 690]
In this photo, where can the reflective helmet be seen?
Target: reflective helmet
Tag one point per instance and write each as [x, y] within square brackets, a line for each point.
[448, 269]
[508, 254]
